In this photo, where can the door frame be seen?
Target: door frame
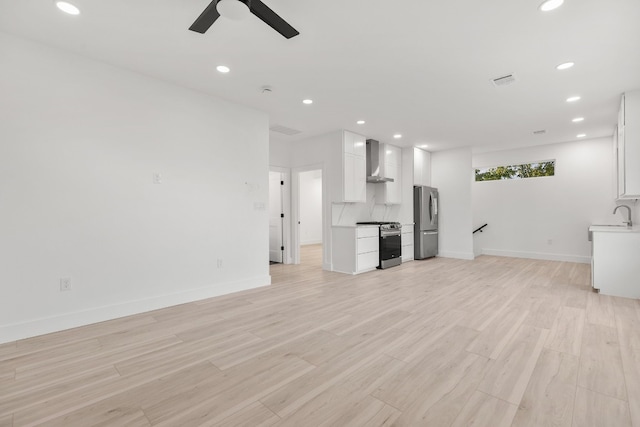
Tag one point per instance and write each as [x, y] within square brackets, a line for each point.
[295, 210]
[286, 210]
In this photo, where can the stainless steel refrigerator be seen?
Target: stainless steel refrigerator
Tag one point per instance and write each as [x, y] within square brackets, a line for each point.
[425, 218]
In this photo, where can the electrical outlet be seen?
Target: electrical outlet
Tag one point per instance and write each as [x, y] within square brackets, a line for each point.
[157, 178]
[65, 284]
[219, 262]
[549, 242]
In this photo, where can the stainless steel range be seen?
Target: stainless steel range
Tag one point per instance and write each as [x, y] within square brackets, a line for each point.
[389, 246]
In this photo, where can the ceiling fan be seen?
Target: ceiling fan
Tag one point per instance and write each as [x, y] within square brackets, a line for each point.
[235, 9]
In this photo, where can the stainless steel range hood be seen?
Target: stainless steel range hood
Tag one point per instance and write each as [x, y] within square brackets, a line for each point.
[375, 166]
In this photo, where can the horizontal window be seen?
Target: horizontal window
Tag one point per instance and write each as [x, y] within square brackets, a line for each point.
[527, 170]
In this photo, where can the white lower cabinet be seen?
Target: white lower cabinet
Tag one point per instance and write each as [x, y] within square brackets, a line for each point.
[407, 242]
[354, 249]
[614, 263]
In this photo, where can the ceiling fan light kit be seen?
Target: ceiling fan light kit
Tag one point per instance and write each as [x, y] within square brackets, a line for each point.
[549, 5]
[235, 9]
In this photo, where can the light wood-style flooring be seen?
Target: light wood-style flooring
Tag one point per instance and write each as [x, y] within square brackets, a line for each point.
[441, 342]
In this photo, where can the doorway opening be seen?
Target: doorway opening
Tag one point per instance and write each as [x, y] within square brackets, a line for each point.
[279, 213]
[310, 221]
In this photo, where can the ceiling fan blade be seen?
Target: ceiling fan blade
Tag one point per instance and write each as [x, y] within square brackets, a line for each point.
[206, 18]
[272, 19]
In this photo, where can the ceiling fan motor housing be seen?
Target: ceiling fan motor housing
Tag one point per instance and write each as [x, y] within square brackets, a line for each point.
[239, 9]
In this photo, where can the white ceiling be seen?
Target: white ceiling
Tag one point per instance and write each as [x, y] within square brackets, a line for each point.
[416, 67]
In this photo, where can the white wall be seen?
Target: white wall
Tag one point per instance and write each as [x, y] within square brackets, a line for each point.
[451, 174]
[279, 153]
[79, 144]
[547, 217]
[311, 207]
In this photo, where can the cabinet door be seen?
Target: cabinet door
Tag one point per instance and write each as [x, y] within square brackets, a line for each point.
[348, 142]
[619, 141]
[354, 179]
[390, 193]
[426, 168]
[348, 177]
[354, 143]
[631, 144]
[421, 167]
[359, 145]
[418, 162]
[360, 179]
[393, 193]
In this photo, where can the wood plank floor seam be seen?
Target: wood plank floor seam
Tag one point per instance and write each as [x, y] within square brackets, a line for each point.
[438, 342]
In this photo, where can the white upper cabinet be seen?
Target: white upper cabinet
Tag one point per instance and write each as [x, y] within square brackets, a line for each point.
[390, 193]
[354, 144]
[354, 167]
[628, 146]
[421, 167]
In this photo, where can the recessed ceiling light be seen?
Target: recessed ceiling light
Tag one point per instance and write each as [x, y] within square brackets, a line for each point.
[550, 5]
[397, 136]
[578, 119]
[67, 8]
[581, 135]
[307, 101]
[360, 122]
[223, 69]
[573, 99]
[565, 66]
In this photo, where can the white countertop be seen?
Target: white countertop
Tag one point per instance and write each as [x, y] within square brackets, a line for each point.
[354, 226]
[614, 229]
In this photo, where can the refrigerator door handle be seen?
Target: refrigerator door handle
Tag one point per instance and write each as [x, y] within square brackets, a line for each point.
[435, 206]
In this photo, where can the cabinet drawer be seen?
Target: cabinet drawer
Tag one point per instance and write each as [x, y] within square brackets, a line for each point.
[367, 244]
[367, 232]
[407, 239]
[367, 261]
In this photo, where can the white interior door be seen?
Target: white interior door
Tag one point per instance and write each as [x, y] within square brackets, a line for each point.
[275, 217]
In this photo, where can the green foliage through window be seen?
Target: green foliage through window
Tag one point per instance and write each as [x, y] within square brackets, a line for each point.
[527, 170]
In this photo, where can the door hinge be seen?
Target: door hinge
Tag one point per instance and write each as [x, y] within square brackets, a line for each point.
[281, 182]
[281, 215]
[282, 248]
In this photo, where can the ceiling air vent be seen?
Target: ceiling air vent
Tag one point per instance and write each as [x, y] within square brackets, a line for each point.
[504, 80]
[285, 130]
[539, 132]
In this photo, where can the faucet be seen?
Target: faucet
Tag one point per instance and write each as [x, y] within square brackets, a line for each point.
[629, 224]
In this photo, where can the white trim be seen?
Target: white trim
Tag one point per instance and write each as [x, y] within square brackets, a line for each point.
[538, 255]
[32, 328]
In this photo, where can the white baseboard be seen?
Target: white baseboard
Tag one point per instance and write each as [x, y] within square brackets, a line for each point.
[537, 255]
[32, 328]
[458, 255]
